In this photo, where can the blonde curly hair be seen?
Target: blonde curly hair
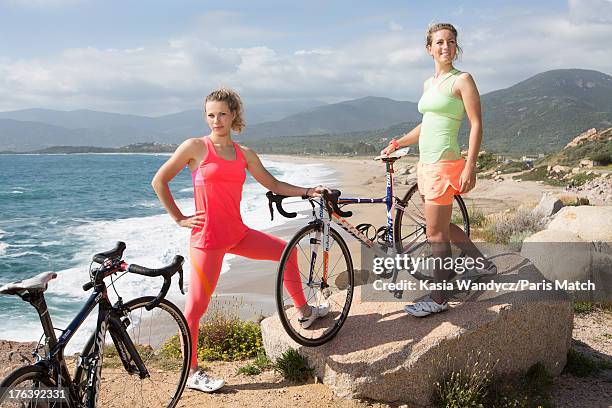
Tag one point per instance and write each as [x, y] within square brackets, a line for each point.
[234, 103]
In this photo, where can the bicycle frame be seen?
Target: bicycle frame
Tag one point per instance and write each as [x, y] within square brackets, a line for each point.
[390, 250]
[109, 319]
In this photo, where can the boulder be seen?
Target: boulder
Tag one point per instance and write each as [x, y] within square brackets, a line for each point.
[590, 223]
[547, 206]
[561, 255]
[559, 169]
[381, 353]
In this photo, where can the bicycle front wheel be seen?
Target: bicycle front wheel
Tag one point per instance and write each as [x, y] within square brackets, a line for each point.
[323, 280]
[30, 386]
[161, 337]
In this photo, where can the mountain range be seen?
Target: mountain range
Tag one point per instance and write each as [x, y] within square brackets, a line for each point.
[539, 114]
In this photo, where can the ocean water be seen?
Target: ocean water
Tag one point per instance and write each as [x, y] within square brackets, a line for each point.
[56, 211]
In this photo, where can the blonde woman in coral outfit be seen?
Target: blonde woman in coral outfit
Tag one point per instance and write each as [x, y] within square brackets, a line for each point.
[218, 167]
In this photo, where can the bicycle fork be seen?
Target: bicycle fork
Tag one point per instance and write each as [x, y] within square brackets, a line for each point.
[321, 236]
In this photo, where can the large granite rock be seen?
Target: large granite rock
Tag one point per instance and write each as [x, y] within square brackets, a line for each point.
[590, 223]
[384, 354]
[548, 205]
[576, 246]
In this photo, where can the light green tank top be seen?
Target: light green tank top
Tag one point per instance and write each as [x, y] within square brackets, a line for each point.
[442, 116]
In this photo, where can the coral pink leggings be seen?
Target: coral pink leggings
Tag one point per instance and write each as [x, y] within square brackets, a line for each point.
[206, 268]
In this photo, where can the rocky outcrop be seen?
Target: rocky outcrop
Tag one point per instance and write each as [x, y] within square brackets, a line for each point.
[384, 354]
[576, 246]
[598, 191]
[547, 206]
[590, 135]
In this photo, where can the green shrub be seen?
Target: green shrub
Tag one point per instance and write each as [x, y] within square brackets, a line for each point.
[293, 366]
[475, 386]
[222, 336]
[583, 307]
[259, 364]
[249, 369]
[604, 158]
[476, 216]
[581, 178]
[466, 386]
[262, 361]
[512, 227]
[485, 161]
[539, 174]
[225, 337]
[580, 365]
[527, 390]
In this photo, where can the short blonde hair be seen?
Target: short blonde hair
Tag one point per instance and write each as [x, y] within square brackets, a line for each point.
[234, 103]
[442, 26]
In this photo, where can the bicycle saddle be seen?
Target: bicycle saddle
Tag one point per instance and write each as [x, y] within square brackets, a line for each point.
[38, 282]
[395, 155]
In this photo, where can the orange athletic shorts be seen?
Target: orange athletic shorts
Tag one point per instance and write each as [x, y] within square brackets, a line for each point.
[439, 182]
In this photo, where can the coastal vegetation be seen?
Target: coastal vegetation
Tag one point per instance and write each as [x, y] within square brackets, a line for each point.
[476, 385]
[223, 336]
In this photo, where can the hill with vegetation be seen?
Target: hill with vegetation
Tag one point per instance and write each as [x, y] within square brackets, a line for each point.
[544, 112]
[538, 115]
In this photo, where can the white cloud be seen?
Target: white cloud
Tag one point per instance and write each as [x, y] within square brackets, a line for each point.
[176, 74]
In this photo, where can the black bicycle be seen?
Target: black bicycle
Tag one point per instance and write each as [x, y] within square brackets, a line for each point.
[140, 363]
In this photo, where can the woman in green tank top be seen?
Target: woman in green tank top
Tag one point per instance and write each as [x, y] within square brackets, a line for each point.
[442, 172]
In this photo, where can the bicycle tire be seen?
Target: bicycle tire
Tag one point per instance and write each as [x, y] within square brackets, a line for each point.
[409, 229]
[340, 279]
[26, 378]
[166, 329]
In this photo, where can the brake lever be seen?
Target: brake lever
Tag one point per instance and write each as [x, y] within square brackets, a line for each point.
[180, 282]
[271, 210]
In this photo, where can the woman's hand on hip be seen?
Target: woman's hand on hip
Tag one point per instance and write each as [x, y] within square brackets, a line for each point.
[193, 221]
[467, 180]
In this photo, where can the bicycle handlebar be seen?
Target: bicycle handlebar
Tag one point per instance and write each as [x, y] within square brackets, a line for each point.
[278, 200]
[111, 262]
[330, 197]
[115, 253]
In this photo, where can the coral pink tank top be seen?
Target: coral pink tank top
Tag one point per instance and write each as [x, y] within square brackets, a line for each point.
[217, 189]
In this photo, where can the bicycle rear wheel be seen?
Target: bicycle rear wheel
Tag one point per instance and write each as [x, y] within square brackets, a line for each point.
[332, 286]
[409, 229]
[158, 335]
[30, 386]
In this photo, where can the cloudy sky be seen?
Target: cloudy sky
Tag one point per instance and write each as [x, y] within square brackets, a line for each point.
[154, 57]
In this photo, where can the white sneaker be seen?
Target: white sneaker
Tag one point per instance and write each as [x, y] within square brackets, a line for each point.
[315, 313]
[202, 382]
[425, 307]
